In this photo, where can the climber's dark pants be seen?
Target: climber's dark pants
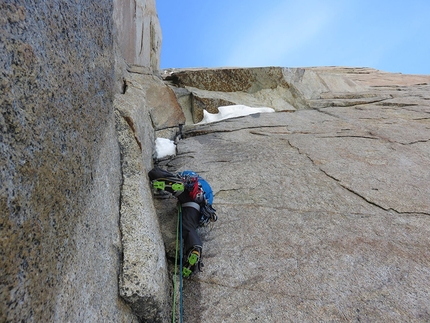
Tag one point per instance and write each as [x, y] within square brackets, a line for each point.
[190, 223]
[190, 215]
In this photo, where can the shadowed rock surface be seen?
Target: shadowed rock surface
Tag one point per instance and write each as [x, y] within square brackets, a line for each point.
[323, 212]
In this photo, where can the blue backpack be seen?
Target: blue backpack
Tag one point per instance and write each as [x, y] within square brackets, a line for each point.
[205, 185]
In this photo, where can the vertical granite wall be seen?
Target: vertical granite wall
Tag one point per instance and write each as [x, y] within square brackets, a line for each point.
[60, 164]
[139, 33]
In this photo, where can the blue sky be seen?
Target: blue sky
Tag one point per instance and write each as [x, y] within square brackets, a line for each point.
[389, 35]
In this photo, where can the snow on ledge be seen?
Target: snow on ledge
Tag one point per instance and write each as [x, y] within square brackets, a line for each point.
[164, 147]
[232, 111]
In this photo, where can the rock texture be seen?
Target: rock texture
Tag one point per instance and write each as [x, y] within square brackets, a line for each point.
[207, 89]
[148, 108]
[60, 175]
[143, 281]
[138, 33]
[283, 89]
[323, 205]
[323, 212]
[76, 213]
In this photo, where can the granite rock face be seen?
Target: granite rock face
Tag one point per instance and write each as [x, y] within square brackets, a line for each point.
[64, 177]
[207, 89]
[138, 33]
[60, 174]
[146, 110]
[283, 89]
[323, 212]
[142, 281]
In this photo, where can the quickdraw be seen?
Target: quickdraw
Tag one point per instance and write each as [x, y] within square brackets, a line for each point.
[208, 214]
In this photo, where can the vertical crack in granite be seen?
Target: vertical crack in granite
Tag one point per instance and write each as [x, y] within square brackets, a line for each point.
[143, 277]
[133, 129]
[349, 188]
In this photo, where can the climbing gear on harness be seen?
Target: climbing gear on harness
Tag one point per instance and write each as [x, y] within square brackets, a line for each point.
[207, 214]
[188, 175]
[191, 262]
[194, 188]
[178, 187]
[161, 185]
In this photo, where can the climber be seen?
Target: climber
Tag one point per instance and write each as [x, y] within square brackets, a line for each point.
[196, 197]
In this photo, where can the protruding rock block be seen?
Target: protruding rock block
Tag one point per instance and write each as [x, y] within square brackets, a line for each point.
[143, 278]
